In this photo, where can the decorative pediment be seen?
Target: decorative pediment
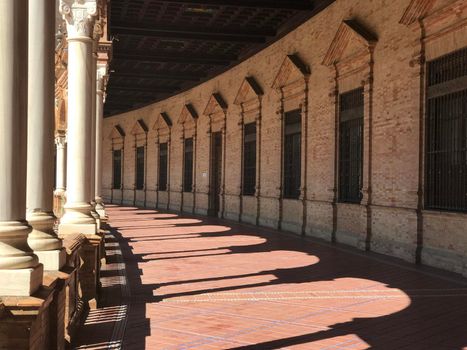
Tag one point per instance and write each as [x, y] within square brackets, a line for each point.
[188, 113]
[117, 132]
[216, 104]
[349, 31]
[416, 9]
[291, 69]
[163, 121]
[248, 90]
[140, 127]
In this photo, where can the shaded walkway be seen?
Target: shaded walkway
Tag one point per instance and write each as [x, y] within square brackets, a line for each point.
[176, 282]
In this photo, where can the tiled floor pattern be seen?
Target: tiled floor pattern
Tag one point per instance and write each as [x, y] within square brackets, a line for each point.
[180, 282]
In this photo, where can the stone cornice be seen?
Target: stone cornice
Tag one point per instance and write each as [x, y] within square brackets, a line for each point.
[79, 16]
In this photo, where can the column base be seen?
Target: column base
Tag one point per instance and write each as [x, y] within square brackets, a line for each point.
[42, 236]
[67, 229]
[77, 219]
[100, 208]
[53, 260]
[101, 212]
[95, 215]
[21, 282]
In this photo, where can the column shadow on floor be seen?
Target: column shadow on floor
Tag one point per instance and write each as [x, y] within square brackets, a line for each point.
[435, 318]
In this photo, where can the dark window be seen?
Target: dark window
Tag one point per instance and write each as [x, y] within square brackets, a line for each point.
[249, 159]
[446, 133]
[163, 159]
[351, 146]
[188, 166]
[117, 169]
[140, 168]
[292, 154]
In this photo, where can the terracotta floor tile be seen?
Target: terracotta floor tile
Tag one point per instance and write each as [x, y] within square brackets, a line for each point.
[183, 282]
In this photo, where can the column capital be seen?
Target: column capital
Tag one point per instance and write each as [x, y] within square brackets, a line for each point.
[60, 140]
[79, 16]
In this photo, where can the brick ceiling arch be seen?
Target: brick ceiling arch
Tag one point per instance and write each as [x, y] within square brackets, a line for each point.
[162, 48]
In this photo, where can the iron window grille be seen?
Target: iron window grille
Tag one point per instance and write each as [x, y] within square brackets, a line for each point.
[117, 169]
[446, 133]
[292, 154]
[140, 168]
[351, 146]
[249, 159]
[188, 165]
[163, 160]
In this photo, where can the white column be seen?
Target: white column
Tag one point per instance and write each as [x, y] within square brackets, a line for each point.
[60, 174]
[93, 123]
[79, 16]
[40, 145]
[101, 73]
[20, 271]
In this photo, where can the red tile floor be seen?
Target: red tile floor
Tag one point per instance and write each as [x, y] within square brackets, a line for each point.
[184, 282]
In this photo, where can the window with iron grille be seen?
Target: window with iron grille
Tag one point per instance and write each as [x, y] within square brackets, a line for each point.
[163, 160]
[140, 168]
[117, 169]
[188, 166]
[446, 133]
[249, 159]
[351, 146]
[292, 154]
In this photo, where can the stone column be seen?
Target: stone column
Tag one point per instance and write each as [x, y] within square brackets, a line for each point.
[20, 271]
[60, 181]
[101, 73]
[40, 145]
[79, 16]
[93, 124]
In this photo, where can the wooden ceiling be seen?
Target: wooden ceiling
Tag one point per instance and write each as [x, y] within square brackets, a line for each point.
[162, 48]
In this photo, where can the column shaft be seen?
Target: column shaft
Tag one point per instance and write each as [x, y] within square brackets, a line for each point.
[93, 134]
[20, 273]
[60, 182]
[99, 120]
[40, 168]
[77, 217]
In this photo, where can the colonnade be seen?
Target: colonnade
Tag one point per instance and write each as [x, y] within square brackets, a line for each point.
[29, 241]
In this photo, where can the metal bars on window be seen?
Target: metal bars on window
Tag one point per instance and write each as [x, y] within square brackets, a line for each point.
[140, 168]
[249, 159]
[351, 146]
[117, 169]
[163, 162]
[446, 133]
[292, 154]
[188, 165]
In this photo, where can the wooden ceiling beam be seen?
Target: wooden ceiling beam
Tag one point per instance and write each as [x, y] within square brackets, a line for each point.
[298, 5]
[192, 33]
[158, 75]
[186, 58]
[144, 89]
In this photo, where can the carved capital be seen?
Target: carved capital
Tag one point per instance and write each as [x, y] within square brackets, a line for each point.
[60, 141]
[79, 16]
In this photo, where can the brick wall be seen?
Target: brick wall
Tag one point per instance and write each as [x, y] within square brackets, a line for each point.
[390, 218]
